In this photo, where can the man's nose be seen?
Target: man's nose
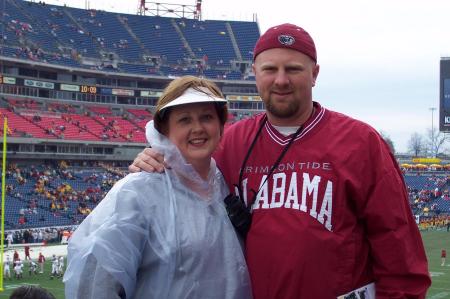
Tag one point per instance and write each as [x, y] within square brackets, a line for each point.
[281, 78]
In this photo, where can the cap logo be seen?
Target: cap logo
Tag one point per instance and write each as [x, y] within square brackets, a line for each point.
[286, 40]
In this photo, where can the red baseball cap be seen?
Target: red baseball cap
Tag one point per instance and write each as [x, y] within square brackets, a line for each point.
[286, 36]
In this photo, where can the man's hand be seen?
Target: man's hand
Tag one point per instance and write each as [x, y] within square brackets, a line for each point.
[148, 160]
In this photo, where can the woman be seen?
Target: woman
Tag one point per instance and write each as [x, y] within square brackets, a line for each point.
[165, 235]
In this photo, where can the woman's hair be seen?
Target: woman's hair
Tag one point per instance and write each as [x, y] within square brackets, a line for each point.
[176, 88]
[31, 292]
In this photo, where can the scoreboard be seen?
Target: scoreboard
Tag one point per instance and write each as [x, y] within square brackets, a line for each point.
[88, 89]
[124, 92]
[444, 95]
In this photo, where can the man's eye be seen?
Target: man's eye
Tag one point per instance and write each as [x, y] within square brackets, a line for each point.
[294, 69]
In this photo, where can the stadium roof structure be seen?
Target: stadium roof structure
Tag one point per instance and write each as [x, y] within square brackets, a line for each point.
[168, 9]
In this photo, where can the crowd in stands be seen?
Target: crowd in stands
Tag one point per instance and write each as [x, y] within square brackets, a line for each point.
[34, 54]
[64, 121]
[435, 222]
[67, 36]
[58, 189]
[44, 235]
[424, 190]
[68, 193]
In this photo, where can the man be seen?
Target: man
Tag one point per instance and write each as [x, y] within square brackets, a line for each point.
[55, 263]
[31, 291]
[18, 269]
[27, 252]
[32, 268]
[15, 257]
[10, 239]
[41, 261]
[332, 219]
[61, 266]
[7, 267]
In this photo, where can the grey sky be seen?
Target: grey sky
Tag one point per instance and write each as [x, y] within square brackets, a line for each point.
[379, 59]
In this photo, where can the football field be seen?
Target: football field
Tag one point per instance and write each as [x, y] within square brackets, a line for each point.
[55, 285]
[434, 242]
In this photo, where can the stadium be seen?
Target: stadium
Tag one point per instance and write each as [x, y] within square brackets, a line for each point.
[77, 87]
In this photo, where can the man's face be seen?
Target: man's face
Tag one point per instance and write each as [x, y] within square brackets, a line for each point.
[284, 79]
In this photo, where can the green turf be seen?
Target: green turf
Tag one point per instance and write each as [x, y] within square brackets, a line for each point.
[434, 242]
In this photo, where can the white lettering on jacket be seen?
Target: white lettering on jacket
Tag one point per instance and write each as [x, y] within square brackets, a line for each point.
[293, 166]
[285, 194]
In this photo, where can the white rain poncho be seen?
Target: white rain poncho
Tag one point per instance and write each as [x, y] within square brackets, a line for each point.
[152, 236]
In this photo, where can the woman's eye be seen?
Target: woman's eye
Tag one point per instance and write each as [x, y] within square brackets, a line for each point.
[208, 116]
[184, 120]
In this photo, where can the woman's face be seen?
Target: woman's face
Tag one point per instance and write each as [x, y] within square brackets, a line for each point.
[196, 130]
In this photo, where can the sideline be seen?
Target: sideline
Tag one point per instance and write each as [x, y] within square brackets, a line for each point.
[47, 251]
[6, 247]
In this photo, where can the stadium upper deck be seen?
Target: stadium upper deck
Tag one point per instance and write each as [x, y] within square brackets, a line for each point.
[112, 42]
[80, 83]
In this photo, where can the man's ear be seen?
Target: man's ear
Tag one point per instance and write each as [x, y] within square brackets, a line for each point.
[315, 74]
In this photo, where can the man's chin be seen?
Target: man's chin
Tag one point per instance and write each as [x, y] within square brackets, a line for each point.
[281, 113]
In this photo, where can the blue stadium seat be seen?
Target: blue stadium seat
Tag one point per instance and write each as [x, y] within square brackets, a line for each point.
[65, 36]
